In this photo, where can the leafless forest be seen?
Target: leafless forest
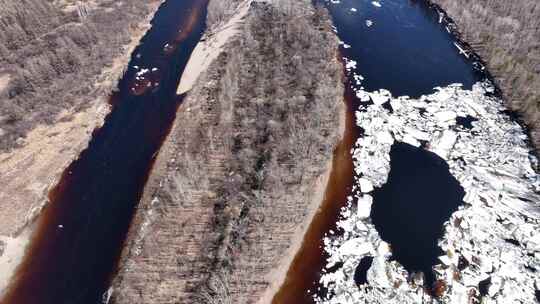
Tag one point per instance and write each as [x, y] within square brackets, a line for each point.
[242, 163]
[219, 11]
[507, 35]
[53, 51]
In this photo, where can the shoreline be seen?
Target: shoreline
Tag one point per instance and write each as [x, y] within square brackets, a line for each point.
[286, 289]
[48, 151]
[279, 277]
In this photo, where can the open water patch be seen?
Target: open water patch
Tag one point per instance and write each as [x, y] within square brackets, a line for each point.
[402, 46]
[360, 274]
[410, 209]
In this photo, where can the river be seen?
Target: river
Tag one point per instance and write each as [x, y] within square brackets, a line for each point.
[75, 248]
[403, 46]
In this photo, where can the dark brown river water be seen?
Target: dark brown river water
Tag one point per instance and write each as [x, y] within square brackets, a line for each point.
[75, 248]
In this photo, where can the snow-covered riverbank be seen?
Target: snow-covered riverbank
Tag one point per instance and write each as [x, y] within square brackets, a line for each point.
[492, 242]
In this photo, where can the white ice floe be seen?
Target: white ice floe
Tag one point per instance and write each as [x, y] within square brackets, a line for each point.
[142, 72]
[461, 50]
[376, 3]
[350, 65]
[354, 10]
[380, 97]
[369, 23]
[496, 231]
[365, 185]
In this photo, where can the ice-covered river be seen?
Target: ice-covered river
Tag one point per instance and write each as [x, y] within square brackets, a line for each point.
[442, 175]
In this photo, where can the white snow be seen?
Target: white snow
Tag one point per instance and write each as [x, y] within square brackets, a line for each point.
[365, 185]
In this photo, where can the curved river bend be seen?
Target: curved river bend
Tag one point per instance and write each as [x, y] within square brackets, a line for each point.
[79, 236]
[403, 46]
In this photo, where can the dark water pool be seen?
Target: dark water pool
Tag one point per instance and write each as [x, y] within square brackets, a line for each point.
[79, 236]
[410, 209]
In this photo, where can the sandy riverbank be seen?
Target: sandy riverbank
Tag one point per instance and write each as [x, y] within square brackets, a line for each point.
[208, 49]
[31, 171]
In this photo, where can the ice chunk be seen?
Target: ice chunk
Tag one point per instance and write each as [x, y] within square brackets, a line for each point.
[362, 95]
[445, 260]
[355, 247]
[420, 135]
[364, 206]
[411, 140]
[351, 64]
[380, 97]
[365, 185]
[384, 137]
[444, 144]
[445, 116]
